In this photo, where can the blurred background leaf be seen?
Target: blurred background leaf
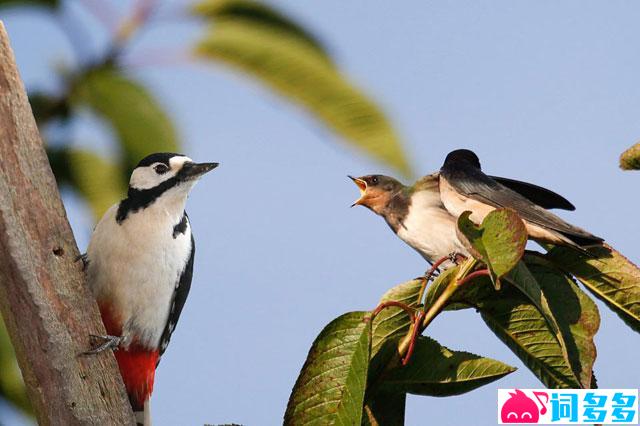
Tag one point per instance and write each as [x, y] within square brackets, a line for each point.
[294, 68]
[140, 124]
[99, 181]
[256, 13]
[52, 4]
[12, 388]
[630, 159]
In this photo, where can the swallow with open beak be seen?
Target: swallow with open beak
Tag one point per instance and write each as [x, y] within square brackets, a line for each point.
[418, 216]
[463, 186]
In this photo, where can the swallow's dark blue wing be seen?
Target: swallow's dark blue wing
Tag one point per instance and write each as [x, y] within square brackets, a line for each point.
[541, 196]
[473, 183]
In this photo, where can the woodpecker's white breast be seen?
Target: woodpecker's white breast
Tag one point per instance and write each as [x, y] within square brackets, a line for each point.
[134, 267]
[429, 228]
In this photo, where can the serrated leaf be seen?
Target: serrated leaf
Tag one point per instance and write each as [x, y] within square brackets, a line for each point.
[630, 159]
[99, 181]
[609, 276]
[50, 4]
[524, 281]
[385, 408]
[393, 322]
[331, 386]
[439, 284]
[577, 316]
[504, 237]
[438, 371]
[295, 70]
[256, 13]
[499, 241]
[520, 325]
[139, 122]
[388, 327]
[391, 325]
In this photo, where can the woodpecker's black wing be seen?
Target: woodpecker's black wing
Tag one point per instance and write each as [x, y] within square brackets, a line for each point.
[179, 298]
[473, 183]
[541, 196]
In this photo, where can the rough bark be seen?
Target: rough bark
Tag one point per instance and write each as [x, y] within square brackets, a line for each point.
[48, 310]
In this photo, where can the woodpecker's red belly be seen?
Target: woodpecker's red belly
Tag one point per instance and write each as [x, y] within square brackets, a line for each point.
[137, 363]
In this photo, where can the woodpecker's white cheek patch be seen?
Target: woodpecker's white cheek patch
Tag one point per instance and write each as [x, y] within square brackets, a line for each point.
[147, 177]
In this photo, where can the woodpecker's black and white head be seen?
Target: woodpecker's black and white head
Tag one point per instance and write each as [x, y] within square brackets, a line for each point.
[162, 179]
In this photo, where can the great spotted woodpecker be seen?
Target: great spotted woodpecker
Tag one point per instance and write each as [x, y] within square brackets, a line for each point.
[139, 265]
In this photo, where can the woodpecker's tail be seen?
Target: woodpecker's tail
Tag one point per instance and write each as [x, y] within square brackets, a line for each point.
[143, 418]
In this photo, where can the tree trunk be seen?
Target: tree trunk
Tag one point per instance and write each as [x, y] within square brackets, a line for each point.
[46, 305]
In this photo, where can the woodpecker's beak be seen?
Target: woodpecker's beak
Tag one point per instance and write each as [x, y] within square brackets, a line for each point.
[192, 171]
[362, 186]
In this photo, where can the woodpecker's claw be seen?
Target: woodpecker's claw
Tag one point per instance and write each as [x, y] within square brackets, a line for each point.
[110, 342]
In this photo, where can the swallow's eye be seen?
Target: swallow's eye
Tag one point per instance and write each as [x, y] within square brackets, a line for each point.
[161, 169]
[374, 180]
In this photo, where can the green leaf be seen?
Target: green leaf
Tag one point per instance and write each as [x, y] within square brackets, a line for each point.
[499, 242]
[577, 316]
[610, 276]
[385, 408]
[331, 386]
[294, 69]
[99, 181]
[139, 122]
[437, 371]
[520, 325]
[12, 388]
[393, 323]
[525, 331]
[630, 159]
[51, 4]
[524, 281]
[437, 287]
[256, 13]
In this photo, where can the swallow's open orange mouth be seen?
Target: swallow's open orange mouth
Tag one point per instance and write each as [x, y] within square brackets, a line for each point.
[361, 183]
[362, 186]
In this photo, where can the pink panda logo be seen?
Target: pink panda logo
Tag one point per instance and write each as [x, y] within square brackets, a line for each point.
[519, 408]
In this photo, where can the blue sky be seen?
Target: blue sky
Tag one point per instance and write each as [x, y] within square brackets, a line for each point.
[543, 91]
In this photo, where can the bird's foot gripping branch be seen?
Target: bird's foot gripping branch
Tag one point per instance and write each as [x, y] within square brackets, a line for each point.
[358, 369]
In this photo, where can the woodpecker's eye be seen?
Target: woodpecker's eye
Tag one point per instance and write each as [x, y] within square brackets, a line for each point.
[374, 180]
[161, 169]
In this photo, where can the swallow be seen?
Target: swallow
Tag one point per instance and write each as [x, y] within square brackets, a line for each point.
[464, 186]
[417, 215]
